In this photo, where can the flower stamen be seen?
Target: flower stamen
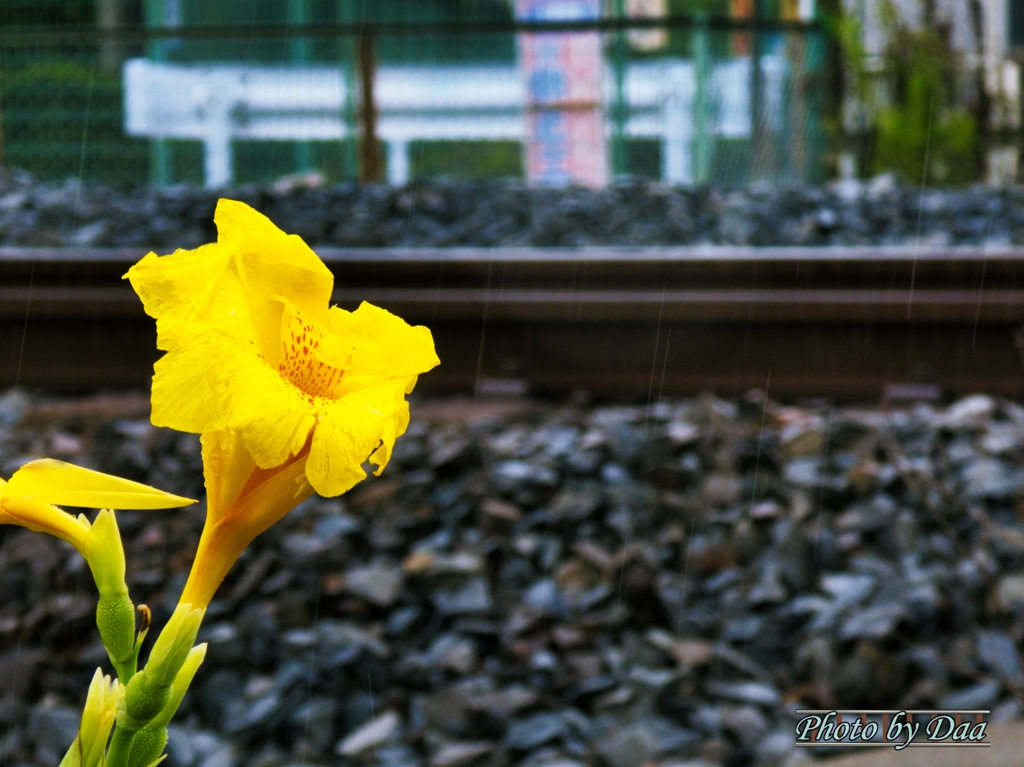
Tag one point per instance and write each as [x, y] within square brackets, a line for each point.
[299, 364]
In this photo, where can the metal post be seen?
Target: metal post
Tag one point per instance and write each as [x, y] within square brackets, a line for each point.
[160, 163]
[299, 16]
[757, 132]
[797, 108]
[702, 146]
[1018, 176]
[984, 148]
[620, 160]
[3, 152]
[369, 145]
[348, 62]
[108, 19]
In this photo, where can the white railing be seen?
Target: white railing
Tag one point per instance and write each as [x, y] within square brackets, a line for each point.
[221, 103]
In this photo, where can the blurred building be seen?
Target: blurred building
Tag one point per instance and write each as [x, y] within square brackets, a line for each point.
[684, 104]
[987, 36]
[681, 104]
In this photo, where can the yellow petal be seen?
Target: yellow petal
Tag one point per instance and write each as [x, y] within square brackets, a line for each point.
[183, 395]
[183, 285]
[394, 428]
[227, 466]
[273, 264]
[271, 416]
[300, 342]
[189, 291]
[349, 431]
[374, 342]
[216, 382]
[225, 538]
[41, 517]
[62, 483]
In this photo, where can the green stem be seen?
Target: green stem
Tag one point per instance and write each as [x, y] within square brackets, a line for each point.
[120, 748]
[125, 671]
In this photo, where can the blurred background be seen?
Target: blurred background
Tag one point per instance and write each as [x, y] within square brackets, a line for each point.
[729, 293]
[136, 92]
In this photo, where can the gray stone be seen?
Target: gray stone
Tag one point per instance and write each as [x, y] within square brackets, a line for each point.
[53, 730]
[968, 411]
[371, 735]
[746, 723]
[379, 583]
[314, 722]
[265, 710]
[1009, 591]
[775, 749]
[453, 652]
[545, 597]
[848, 588]
[998, 651]
[990, 478]
[460, 754]
[13, 404]
[805, 472]
[641, 742]
[468, 596]
[398, 755]
[186, 745]
[222, 756]
[534, 731]
[224, 645]
[980, 695]
[876, 622]
[749, 692]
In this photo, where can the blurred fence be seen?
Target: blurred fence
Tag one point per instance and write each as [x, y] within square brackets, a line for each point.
[678, 99]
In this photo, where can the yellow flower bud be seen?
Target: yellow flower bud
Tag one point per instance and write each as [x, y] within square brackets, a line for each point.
[101, 704]
[105, 554]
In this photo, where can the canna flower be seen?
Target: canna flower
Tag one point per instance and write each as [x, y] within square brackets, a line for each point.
[289, 395]
[27, 500]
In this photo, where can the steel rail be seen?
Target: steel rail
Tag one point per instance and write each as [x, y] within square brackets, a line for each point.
[625, 255]
[50, 35]
[842, 322]
[944, 306]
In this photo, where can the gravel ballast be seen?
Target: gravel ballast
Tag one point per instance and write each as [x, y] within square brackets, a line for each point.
[554, 583]
[485, 214]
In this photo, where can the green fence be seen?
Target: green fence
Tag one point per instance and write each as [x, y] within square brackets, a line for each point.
[62, 101]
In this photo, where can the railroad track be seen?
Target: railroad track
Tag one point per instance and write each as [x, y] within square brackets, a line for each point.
[852, 323]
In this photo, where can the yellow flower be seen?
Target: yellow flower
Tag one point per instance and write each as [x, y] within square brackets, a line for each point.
[27, 499]
[289, 394]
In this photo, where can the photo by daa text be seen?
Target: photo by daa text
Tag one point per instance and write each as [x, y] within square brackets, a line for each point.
[891, 728]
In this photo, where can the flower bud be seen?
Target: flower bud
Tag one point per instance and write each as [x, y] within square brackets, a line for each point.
[147, 746]
[115, 613]
[101, 704]
[73, 758]
[150, 741]
[150, 690]
[115, 618]
[143, 700]
[174, 644]
[106, 556]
